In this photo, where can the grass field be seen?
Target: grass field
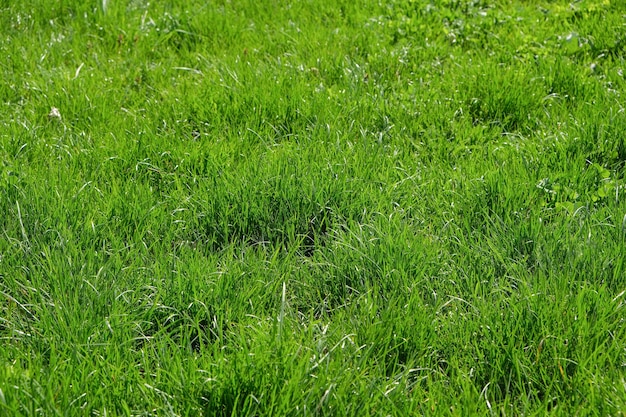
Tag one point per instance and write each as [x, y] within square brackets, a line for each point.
[312, 207]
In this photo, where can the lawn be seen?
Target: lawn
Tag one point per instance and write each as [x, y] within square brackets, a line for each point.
[312, 207]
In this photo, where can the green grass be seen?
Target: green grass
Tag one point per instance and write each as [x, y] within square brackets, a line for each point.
[412, 207]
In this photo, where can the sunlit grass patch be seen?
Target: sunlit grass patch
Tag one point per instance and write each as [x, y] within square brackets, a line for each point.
[312, 208]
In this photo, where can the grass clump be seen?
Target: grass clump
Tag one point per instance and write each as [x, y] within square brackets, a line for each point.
[313, 208]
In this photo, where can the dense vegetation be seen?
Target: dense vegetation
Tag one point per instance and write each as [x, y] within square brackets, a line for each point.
[351, 208]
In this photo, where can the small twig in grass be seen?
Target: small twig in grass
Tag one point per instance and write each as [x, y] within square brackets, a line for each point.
[282, 312]
[17, 303]
[19, 216]
[323, 399]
